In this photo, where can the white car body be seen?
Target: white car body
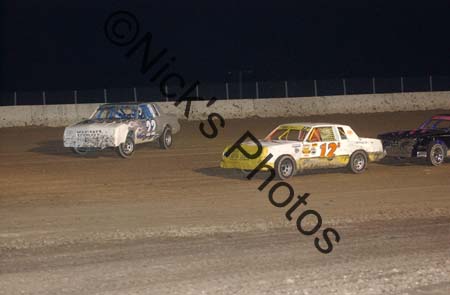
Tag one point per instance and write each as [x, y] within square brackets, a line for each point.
[331, 151]
[144, 123]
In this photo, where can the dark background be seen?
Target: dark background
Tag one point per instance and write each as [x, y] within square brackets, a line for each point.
[61, 45]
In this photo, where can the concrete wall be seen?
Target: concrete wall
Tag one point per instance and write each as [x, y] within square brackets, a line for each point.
[62, 115]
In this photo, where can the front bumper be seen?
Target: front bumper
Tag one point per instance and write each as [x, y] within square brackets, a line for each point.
[404, 148]
[237, 160]
[94, 141]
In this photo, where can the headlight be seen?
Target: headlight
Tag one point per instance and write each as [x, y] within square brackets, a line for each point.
[69, 132]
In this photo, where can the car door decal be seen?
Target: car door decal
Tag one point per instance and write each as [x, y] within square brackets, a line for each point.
[151, 127]
[330, 147]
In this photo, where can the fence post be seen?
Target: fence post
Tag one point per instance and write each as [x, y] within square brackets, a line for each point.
[402, 88]
[431, 83]
[227, 93]
[315, 87]
[75, 96]
[135, 94]
[15, 98]
[286, 90]
[257, 89]
[344, 86]
[43, 98]
[105, 95]
[167, 92]
[196, 91]
[374, 86]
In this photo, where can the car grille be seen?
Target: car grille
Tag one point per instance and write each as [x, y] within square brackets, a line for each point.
[401, 147]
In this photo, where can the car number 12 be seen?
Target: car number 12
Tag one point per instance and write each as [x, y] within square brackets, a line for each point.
[330, 147]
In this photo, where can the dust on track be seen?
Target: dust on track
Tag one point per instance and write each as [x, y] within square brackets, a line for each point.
[173, 222]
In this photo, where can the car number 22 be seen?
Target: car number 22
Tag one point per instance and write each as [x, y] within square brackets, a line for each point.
[151, 125]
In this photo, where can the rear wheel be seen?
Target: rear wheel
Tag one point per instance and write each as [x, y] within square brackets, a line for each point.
[284, 167]
[436, 153]
[165, 140]
[358, 162]
[126, 149]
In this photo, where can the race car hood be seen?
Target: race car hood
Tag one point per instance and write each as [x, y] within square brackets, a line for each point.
[96, 125]
[273, 143]
[95, 134]
[267, 143]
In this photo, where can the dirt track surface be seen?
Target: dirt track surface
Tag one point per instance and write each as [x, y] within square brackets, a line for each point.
[172, 222]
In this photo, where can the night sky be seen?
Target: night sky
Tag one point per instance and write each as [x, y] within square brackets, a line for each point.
[62, 45]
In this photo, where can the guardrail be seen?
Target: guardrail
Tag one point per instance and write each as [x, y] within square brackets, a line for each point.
[65, 114]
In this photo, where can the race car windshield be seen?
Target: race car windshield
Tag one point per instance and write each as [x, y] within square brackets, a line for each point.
[436, 124]
[123, 112]
[291, 134]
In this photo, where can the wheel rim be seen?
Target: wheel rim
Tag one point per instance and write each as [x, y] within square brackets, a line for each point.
[359, 162]
[168, 139]
[438, 155]
[128, 147]
[286, 168]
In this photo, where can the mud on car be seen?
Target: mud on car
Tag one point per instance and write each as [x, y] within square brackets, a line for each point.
[430, 141]
[299, 146]
[121, 126]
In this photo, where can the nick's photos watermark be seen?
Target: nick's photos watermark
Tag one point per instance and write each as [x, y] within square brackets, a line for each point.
[123, 30]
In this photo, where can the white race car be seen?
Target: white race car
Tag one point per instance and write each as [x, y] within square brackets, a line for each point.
[299, 146]
[121, 126]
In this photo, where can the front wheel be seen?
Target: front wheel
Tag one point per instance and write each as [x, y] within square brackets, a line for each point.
[126, 149]
[80, 151]
[435, 154]
[358, 162]
[284, 167]
[246, 172]
[165, 140]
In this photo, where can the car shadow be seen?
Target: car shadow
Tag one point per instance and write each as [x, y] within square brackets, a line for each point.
[237, 174]
[405, 162]
[56, 148]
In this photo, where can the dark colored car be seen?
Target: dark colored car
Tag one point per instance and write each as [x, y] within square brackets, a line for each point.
[431, 141]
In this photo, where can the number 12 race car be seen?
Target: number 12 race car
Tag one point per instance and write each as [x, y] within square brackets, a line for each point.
[121, 126]
[431, 141]
[301, 146]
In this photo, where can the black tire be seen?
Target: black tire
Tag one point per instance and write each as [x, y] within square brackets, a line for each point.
[436, 153]
[126, 149]
[358, 162]
[165, 140]
[285, 167]
[80, 151]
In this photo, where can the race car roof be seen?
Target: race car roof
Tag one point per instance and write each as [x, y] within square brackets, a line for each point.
[123, 103]
[445, 117]
[310, 124]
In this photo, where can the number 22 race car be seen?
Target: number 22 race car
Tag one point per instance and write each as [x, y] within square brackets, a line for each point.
[299, 146]
[121, 126]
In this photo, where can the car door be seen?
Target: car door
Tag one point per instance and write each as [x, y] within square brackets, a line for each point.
[146, 131]
[324, 147]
